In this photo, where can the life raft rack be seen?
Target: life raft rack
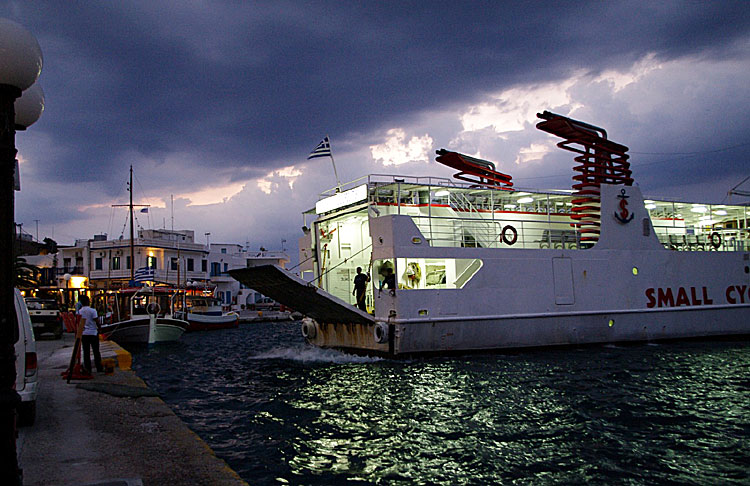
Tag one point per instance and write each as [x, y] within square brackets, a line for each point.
[476, 171]
[601, 161]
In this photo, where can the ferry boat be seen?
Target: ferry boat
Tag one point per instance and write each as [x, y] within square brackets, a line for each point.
[140, 315]
[478, 265]
[205, 313]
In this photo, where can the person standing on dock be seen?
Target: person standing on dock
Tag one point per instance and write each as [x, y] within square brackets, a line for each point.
[90, 337]
[360, 288]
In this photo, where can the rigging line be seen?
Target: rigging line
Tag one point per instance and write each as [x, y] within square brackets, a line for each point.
[730, 192]
[634, 166]
[111, 220]
[342, 262]
[694, 153]
[303, 261]
[124, 225]
[148, 201]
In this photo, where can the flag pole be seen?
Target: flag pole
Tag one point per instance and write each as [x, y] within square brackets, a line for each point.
[330, 154]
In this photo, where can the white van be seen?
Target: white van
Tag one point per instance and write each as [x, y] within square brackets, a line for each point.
[26, 363]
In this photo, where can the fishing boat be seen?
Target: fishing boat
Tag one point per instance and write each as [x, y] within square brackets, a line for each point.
[139, 315]
[204, 313]
[475, 264]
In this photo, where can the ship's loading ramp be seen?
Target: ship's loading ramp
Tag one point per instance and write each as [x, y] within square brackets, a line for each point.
[293, 292]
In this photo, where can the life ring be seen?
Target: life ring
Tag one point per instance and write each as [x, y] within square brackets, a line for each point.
[380, 332]
[153, 308]
[506, 240]
[308, 329]
[715, 239]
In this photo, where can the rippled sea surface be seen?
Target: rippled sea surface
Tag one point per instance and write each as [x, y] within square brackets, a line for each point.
[279, 412]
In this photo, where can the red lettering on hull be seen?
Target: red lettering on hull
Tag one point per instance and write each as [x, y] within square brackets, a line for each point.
[665, 297]
[692, 296]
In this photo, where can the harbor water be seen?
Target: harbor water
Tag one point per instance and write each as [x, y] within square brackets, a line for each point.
[280, 412]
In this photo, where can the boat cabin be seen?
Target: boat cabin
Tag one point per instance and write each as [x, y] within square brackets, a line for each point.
[457, 215]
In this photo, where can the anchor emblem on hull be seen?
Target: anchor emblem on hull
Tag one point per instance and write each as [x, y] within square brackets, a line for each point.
[624, 216]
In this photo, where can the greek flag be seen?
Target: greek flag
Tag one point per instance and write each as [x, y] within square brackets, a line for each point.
[144, 274]
[322, 150]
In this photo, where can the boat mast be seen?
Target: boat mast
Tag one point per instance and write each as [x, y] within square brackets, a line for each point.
[132, 243]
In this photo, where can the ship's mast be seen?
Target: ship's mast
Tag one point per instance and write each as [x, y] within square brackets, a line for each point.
[132, 242]
[130, 207]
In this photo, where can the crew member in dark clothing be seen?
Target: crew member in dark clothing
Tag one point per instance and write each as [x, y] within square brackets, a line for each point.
[389, 282]
[360, 287]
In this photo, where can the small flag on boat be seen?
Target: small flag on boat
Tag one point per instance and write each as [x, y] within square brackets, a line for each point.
[144, 274]
[144, 210]
[322, 150]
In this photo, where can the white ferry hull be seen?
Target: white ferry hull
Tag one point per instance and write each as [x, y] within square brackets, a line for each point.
[627, 288]
[487, 334]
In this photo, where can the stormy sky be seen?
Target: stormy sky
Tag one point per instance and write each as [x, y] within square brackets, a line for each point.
[217, 104]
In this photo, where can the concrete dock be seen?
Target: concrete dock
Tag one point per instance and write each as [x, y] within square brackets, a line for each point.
[111, 430]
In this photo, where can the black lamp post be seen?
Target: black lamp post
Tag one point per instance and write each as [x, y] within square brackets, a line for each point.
[20, 66]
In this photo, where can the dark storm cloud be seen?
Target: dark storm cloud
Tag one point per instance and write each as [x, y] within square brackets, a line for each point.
[248, 84]
[199, 94]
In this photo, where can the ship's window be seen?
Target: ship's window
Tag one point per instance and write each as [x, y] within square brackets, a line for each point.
[435, 273]
[383, 271]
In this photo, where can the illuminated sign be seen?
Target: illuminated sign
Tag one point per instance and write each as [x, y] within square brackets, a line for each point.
[342, 199]
[77, 282]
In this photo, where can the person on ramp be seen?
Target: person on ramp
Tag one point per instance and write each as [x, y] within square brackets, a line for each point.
[360, 288]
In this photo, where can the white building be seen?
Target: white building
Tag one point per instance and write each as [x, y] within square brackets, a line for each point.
[173, 255]
[227, 256]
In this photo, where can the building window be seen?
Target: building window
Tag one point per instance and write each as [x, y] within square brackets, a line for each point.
[223, 250]
[98, 263]
[226, 267]
[215, 269]
[190, 264]
[173, 263]
[127, 262]
[115, 263]
[66, 264]
[151, 262]
[204, 265]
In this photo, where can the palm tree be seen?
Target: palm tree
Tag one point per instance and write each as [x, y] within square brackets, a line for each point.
[26, 275]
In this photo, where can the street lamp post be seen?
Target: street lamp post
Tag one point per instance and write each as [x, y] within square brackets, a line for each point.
[20, 66]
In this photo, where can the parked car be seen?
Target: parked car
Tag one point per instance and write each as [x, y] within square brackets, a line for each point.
[264, 304]
[27, 383]
[45, 316]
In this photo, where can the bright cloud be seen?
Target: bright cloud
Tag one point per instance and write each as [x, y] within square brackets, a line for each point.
[535, 151]
[267, 184]
[622, 79]
[213, 195]
[396, 150]
[512, 109]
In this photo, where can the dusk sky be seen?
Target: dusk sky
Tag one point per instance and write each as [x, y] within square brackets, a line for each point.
[219, 103]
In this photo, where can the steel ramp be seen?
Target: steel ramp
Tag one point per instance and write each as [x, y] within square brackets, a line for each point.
[293, 292]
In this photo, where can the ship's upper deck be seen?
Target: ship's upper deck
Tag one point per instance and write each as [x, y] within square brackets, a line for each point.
[454, 214]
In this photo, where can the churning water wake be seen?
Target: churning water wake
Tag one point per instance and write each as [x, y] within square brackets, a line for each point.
[280, 412]
[309, 354]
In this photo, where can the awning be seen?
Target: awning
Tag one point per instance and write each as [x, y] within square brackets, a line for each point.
[293, 292]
